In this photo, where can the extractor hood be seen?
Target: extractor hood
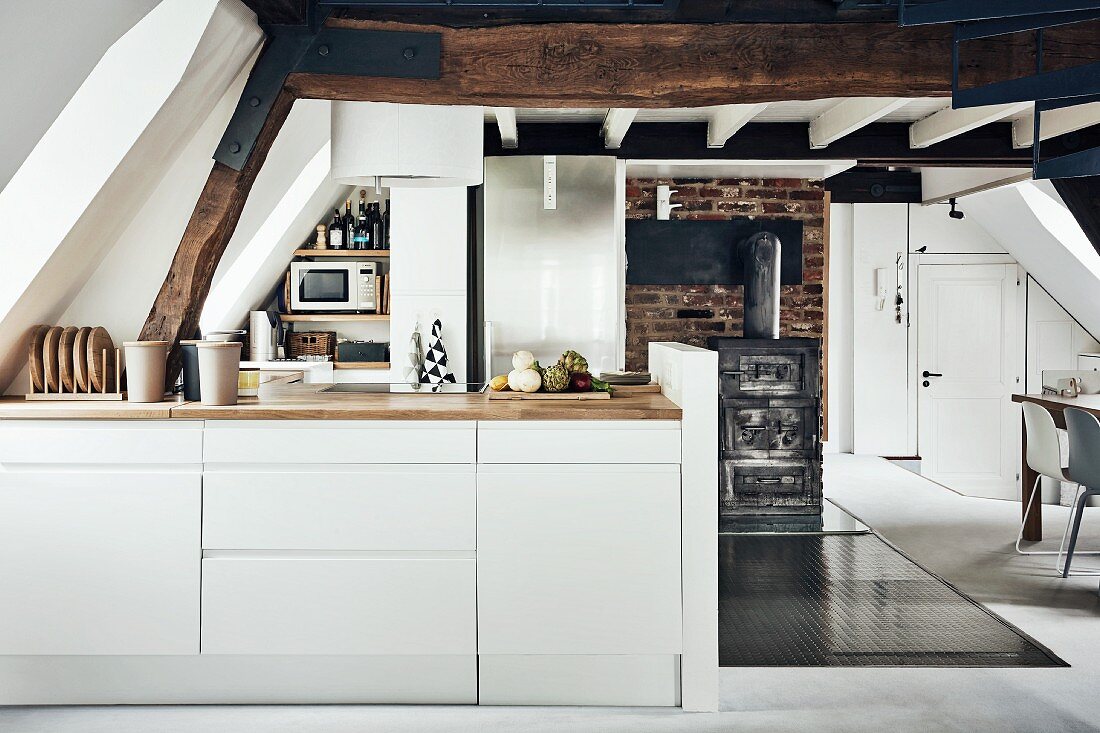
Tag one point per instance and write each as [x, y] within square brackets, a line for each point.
[407, 145]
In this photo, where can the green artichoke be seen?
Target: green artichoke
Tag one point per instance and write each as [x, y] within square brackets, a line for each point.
[573, 362]
[555, 378]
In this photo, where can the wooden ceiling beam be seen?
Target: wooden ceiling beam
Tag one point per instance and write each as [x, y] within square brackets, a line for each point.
[506, 124]
[615, 125]
[1054, 123]
[878, 144]
[947, 123]
[692, 65]
[849, 115]
[726, 120]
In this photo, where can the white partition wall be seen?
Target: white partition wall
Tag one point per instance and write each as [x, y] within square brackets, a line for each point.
[688, 376]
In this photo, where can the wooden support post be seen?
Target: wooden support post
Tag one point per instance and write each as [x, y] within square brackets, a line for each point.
[175, 312]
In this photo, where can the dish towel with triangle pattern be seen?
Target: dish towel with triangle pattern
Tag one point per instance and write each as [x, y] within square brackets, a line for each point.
[436, 370]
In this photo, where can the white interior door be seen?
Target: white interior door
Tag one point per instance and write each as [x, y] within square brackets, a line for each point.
[969, 361]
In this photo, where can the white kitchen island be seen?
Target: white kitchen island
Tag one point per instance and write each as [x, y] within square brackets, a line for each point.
[336, 548]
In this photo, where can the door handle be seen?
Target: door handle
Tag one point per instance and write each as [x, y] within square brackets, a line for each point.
[927, 374]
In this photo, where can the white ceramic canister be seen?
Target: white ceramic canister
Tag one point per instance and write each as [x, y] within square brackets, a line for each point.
[145, 370]
[219, 366]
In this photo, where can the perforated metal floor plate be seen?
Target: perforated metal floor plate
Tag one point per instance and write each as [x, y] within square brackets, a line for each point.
[852, 601]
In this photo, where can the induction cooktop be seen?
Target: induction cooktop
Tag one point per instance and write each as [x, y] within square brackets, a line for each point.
[404, 388]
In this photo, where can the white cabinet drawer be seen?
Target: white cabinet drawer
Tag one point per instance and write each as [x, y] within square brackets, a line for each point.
[339, 508]
[100, 441]
[338, 606]
[587, 441]
[99, 562]
[339, 441]
[579, 559]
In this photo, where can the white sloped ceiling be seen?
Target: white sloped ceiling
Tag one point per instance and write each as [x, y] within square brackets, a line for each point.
[107, 151]
[1034, 226]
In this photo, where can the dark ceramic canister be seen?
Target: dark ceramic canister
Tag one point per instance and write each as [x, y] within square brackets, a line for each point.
[190, 370]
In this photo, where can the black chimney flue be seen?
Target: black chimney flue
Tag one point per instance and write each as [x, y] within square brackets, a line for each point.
[760, 258]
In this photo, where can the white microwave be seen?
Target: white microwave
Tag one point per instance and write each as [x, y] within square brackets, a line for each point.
[333, 286]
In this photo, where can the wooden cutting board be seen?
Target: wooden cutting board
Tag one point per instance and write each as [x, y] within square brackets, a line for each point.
[80, 358]
[50, 366]
[35, 364]
[101, 371]
[549, 396]
[65, 359]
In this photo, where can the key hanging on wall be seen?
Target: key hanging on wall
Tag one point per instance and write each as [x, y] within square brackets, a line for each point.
[898, 300]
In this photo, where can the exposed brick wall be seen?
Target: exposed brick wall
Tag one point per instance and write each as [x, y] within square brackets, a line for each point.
[651, 309]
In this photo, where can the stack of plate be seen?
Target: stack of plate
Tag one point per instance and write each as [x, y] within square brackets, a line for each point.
[626, 378]
[71, 360]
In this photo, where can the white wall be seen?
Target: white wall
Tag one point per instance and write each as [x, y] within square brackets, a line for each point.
[49, 46]
[1054, 338]
[428, 261]
[840, 329]
[881, 420]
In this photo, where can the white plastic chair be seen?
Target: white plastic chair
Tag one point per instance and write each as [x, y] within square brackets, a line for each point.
[1044, 456]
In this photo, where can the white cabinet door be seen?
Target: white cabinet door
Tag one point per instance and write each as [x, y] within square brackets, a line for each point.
[312, 605]
[99, 562]
[342, 507]
[578, 441]
[578, 559]
[969, 347]
[340, 441]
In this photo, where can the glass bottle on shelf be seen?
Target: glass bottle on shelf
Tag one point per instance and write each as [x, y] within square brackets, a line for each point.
[375, 218]
[386, 226]
[349, 227]
[362, 233]
[336, 231]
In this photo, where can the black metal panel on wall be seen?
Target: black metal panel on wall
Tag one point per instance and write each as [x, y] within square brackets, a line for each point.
[680, 252]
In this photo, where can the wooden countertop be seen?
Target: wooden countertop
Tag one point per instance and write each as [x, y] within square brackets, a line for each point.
[323, 406]
[305, 403]
[18, 407]
[1088, 402]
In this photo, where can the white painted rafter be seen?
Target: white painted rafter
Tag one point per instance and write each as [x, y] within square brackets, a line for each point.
[849, 115]
[727, 119]
[1055, 122]
[947, 123]
[506, 123]
[615, 124]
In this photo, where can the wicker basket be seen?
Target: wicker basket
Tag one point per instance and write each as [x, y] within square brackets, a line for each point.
[311, 343]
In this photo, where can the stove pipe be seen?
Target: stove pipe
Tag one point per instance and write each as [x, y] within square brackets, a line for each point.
[760, 258]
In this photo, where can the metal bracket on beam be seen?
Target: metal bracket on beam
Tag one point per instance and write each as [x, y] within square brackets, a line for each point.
[393, 54]
[1077, 81]
[958, 11]
[1070, 165]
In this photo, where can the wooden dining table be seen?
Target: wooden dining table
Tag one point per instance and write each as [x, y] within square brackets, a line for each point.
[1033, 520]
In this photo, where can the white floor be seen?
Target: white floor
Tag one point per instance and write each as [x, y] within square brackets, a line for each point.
[966, 541]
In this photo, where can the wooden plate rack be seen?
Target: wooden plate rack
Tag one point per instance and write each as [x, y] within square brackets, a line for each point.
[106, 363]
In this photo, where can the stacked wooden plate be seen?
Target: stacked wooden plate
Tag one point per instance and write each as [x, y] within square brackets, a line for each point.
[72, 363]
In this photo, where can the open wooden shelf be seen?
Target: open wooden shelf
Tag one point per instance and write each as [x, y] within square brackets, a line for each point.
[360, 253]
[360, 365]
[332, 317]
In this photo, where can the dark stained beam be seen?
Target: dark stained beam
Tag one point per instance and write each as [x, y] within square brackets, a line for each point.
[175, 312]
[1082, 197]
[879, 144]
[278, 12]
[691, 65]
[293, 12]
[688, 11]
